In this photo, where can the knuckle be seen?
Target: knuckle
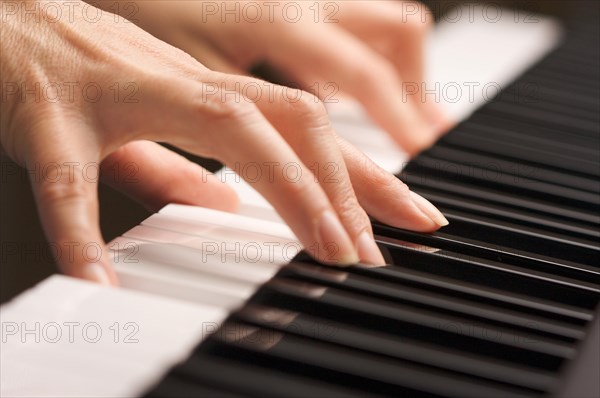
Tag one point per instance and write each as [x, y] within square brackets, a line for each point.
[223, 120]
[346, 205]
[63, 190]
[303, 188]
[371, 75]
[352, 214]
[308, 105]
[381, 179]
[383, 71]
[220, 107]
[401, 188]
[362, 73]
[310, 113]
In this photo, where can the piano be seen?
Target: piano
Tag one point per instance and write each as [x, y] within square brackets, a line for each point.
[503, 302]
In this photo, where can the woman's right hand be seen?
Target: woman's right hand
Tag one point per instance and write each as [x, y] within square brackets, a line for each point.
[78, 92]
[370, 50]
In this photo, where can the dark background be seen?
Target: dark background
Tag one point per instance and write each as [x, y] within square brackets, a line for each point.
[24, 255]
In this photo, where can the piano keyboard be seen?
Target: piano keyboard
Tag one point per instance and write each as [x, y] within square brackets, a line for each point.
[499, 303]
[494, 304]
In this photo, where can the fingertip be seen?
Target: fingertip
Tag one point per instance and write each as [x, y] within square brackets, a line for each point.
[368, 251]
[429, 210]
[334, 245]
[225, 198]
[98, 273]
[94, 272]
[438, 117]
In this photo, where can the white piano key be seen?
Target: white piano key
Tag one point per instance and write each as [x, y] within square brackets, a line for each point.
[255, 246]
[478, 51]
[74, 375]
[144, 262]
[231, 220]
[213, 232]
[247, 194]
[485, 49]
[166, 332]
[180, 250]
[261, 212]
[148, 282]
[350, 121]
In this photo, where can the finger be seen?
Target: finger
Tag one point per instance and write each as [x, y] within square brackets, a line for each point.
[398, 31]
[65, 182]
[155, 176]
[373, 81]
[387, 198]
[302, 120]
[236, 133]
[204, 53]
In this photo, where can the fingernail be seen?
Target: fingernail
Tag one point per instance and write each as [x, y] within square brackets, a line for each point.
[334, 241]
[96, 272]
[437, 118]
[429, 209]
[368, 251]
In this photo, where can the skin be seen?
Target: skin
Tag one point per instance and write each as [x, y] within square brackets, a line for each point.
[370, 50]
[175, 99]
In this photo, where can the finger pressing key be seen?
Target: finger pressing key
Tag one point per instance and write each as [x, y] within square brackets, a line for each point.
[239, 135]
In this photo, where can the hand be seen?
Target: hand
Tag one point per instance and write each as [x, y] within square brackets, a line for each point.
[61, 113]
[371, 50]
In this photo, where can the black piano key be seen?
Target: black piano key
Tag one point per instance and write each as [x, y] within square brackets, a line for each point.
[553, 142]
[567, 64]
[572, 162]
[246, 363]
[450, 201]
[252, 380]
[509, 260]
[564, 82]
[439, 169]
[389, 345]
[428, 299]
[551, 105]
[505, 343]
[540, 86]
[521, 237]
[539, 89]
[581, 222]
[481, 293]
[542, 225]
[179, 387]
[534, 89]
[371, 368]
[499, 168]
[495, 274]
[513, 236]
[494, 196]
[543, 118]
